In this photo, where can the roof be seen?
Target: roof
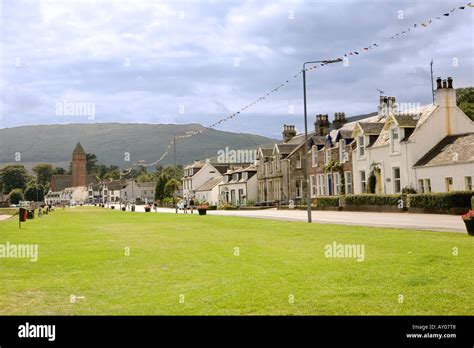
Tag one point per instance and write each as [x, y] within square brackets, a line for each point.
[371, 128]
[453, 149]
[78, 149]
[196, 164]
[285, 149]
[209, 184]
[405, 121]
[116, 184]
[61, 181]
[266, 152]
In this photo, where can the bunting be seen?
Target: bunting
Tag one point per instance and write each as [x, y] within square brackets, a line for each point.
[189, 134]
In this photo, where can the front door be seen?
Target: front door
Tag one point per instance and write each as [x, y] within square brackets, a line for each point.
[330, 191]
[378, 180]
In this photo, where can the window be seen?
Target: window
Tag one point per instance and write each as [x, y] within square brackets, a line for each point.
[322, 184]
[343, 155]
[314, 188]
[337, 183]
[361, 146]
[327, 156]
[421, 186]
[363, 181]
[397, 186]
[314, 156]
[348, 182]
[427, 185]
[298, 161]
[394, 142]
[244, 176]
[299, 188]
[468, 183]
[448, 182]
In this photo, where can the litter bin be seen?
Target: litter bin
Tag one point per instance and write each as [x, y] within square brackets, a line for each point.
[30, 214]
[22, 214]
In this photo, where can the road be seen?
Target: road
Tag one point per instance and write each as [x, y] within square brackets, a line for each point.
[431, 222]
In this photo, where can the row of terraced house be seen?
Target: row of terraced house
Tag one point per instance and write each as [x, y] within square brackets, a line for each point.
[426, 149]
[420, 148]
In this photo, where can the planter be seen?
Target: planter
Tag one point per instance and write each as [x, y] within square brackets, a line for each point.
[112, 207]
[202, 211]
[123, 208]
[469, 227]
[147, 209]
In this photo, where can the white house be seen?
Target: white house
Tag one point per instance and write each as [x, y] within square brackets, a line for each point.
[136, 191]
[198, 173]
[429, 149]
[239, 186]
[209, 191]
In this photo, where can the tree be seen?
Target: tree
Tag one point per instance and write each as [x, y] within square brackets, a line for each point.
[34, 192]
[58, 171]
[112, 174]
[91, 163]
[145, 178]
[14, 177]
[160, 187]
[43, 173]
[170, 187]
[16, 196]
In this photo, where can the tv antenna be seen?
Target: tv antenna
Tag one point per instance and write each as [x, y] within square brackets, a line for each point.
[380, 91]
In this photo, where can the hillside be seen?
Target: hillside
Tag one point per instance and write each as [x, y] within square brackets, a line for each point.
[110, 141]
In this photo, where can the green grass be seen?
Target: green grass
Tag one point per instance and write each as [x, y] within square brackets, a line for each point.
[81, 252]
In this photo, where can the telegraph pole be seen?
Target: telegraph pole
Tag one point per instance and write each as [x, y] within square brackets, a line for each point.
[175, 186]
[432, 82]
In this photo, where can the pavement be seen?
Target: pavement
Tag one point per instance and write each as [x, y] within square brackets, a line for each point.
[4, 217]
[429, 222]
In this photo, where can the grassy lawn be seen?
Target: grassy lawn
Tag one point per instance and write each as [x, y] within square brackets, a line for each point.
[82, 252]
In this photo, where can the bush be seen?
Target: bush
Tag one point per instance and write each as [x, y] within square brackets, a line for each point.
[212, 207]
[441, 200]
[327, 201]
[372, 199]
[16, 195]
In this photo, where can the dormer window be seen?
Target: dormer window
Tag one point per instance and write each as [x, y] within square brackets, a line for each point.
[244, 176]
[394, 140]
[361, 146]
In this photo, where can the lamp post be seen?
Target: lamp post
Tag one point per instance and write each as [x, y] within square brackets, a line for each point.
[306, 172]
[176, 186]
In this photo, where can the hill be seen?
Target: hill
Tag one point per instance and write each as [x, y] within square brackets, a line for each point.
[111, 141]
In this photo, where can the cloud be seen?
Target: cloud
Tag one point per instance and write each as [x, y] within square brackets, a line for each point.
[198, 61]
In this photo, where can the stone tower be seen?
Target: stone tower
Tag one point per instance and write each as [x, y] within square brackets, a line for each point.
[79, 166]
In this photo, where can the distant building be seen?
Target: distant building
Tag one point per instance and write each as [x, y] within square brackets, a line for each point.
[134, 191]
[239, 186]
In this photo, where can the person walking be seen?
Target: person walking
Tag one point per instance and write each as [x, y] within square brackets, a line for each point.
[185, 206]
[191, 205]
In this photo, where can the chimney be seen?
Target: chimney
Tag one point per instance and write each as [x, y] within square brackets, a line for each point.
[339, 120]
[445, 94]
[288, 132]
[387, 105]
[321, 125]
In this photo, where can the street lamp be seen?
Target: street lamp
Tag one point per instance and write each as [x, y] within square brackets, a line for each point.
[306, 172]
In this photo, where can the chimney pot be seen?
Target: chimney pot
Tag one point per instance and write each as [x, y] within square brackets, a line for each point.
[445, 85]
[438, 83]
[450, 82]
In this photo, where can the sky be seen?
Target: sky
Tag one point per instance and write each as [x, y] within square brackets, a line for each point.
[200, 61]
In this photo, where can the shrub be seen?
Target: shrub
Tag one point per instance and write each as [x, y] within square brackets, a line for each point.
[327, 201]
[408, 190]
[441, 200]
[16, 195]
[372, 199]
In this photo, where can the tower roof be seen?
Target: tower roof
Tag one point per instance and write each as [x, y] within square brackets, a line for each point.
[78, 149]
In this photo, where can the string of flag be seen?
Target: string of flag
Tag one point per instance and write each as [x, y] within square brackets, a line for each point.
[265, 96]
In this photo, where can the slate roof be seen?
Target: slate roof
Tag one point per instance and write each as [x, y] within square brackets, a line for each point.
[373, 128]
[61, 181]
[285, 149]
[116, 184]
[209, 184]
[266, 152]
[406, 121]
[453, 149]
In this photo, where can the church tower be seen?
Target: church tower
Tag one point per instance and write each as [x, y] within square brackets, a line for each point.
[79, 166]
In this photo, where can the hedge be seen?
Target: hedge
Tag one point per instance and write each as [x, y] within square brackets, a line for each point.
[441, 200]
[327, 201]
[372, 199]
